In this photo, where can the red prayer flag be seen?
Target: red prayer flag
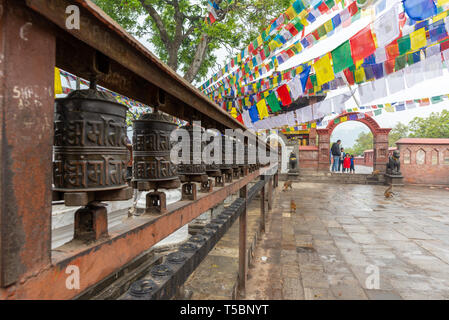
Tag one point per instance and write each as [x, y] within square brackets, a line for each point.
[284, 95]
[389, 66]
[323, 7]
[362, 44]
[211, 18]
[349, 76]
[444, 45]
[291, 28]
[352, 8]
[392, 50]
[315, 34]
[240, 119]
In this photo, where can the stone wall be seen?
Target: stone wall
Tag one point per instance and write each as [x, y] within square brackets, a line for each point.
[424, 161]
[308, 157]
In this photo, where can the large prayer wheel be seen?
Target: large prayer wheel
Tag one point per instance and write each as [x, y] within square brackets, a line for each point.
[90, 151]
[152, 166]
[224, 165]
[195, 165]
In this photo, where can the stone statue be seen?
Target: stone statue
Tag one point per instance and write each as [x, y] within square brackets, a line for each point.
[394, 165]
[292, 161]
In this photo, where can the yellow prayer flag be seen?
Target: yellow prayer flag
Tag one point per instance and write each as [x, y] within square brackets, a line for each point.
[266, 94]
[247, 102]
[262, 108]
[58, 83]
[259, 40]
[343, 119]
[358, 63]
[439, 16]
[313, 125]
[299, 70]
[239, 58]
[275, 82]
[298, 46]
[388, 107]
[359, 75]
[291, 13]
[234, 112]
[328, 26]
[441, 2]
[254, 87]
[323, 69]
[272, 45]
[418, 39]
[304, 22]
[355, 109]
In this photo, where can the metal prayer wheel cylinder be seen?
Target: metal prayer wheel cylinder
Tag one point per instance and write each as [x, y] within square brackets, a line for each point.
[213, 169]
[195, 166]
[90, 151]
[152, 166]
[224, 165]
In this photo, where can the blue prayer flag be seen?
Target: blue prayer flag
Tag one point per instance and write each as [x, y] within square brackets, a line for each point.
[419, 9]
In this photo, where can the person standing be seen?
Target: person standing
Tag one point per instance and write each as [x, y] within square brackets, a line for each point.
[346, 163]
[352, 169]
[342, 158]
[335, 151]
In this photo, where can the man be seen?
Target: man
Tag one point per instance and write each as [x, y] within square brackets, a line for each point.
[342, 158]
[336, 153]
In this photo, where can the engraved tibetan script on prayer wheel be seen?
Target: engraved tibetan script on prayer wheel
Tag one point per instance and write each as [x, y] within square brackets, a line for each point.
[90, 151]
[195, 165]
[151, 151]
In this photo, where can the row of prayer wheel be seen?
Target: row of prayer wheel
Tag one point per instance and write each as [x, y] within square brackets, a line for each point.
[91, 155]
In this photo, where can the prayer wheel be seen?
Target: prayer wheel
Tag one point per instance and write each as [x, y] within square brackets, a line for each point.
[152, 166]
[195, 168]
[90, 153]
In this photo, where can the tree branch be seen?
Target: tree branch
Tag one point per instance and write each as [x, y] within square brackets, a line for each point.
[157, 20]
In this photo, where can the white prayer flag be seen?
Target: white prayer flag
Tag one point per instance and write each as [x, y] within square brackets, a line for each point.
[396, 82]
[295, 87]
[386, 27]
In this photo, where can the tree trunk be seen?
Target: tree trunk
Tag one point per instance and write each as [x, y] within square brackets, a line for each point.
[200, 54]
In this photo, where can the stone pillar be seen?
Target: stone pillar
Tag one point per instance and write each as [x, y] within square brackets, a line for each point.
[324, 136]
[380, 147]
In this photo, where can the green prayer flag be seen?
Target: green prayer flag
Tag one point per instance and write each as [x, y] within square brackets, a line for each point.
[400, 62]
[341, 57]
[321, 31]
[330, 3]
[404, 44]
[377, 112]
[273, 102]
[337, 120]
[436, 99]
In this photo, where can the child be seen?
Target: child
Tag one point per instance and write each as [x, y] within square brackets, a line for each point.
[352, 164]
[346, 163]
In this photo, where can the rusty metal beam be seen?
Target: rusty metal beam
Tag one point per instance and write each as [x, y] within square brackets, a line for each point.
[101, 33]
[243, 254]
[26, 119]
[126, 241]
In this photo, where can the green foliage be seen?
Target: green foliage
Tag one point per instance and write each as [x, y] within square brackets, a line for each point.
[176, 37]
[399, 131]
[434, 126]
[364, 142]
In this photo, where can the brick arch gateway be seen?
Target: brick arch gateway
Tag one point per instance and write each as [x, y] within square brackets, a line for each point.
[380, 140]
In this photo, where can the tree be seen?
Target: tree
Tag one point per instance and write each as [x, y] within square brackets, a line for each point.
[179, 34]
[364, 142]
[399, 131]
[434, 126]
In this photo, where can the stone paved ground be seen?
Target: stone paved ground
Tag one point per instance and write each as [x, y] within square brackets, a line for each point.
[323, 250]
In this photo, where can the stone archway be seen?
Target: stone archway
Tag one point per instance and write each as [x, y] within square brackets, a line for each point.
[380, 140]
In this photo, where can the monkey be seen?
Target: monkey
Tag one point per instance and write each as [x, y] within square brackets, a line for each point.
[292, 206]
[388, 193]
[376, 173]
[287, 184]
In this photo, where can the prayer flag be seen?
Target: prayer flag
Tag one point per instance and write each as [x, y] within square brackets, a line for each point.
[341, 57]
[386, 27]
[323, 69]
[284, 95]
[58, 83]
[362, 44]
[419, 9]
[418, 39]
[273, 102]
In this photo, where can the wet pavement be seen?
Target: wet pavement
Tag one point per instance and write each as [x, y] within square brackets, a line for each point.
[349, 242]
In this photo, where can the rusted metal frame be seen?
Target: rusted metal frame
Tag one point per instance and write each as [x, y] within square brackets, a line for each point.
[270, 193]
[127, 240]
[262, 209]
[168, 286]
[103, 34]
[27, 51]
[243, 257]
